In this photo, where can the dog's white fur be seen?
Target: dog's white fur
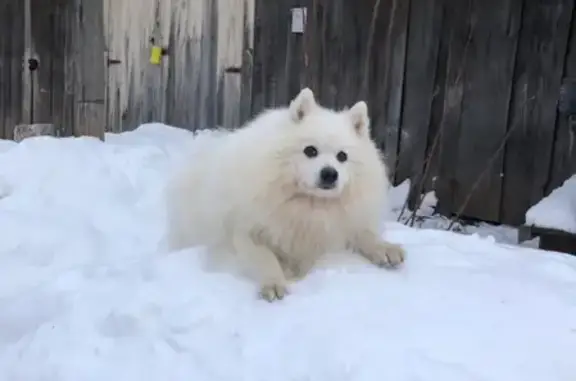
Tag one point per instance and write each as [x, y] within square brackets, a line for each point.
[256, 194]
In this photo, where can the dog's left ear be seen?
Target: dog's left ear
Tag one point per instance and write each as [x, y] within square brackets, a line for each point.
[302, 105]
[360, 119]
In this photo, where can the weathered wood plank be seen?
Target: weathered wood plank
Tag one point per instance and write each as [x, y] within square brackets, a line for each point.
[136, 86]
[538, 76]
[70, 96]
[422, 57]
[39, 59]
[247, 62]
[295, 63]
[459, 34]
[431, 165]
[26, 72]
[229, 57]
[312, 60]
[12, 37]
[564, 152]
[487, 91]
[4, 66]
[192, 80]
[332, 70]
[257, 99]
[59, 31]
[90, 111]
[277, 60]
[388, 80]
[155, 83]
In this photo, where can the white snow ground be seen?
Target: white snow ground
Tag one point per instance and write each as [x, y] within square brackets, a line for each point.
[557, 210]
[86, 292]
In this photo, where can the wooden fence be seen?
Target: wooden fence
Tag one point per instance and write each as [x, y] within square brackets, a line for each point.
[85, 65]
[469, 86]
[50, 65]
[462, 93]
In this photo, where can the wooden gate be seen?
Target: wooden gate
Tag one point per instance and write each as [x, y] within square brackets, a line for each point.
[52, 65]
[202, 78]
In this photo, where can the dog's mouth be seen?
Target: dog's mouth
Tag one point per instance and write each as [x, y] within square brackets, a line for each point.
[327, 186]
[318, 190]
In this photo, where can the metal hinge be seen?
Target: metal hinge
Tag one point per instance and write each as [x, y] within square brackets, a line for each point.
[233, 69]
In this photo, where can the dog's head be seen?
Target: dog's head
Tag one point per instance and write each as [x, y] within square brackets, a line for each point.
[324, 148]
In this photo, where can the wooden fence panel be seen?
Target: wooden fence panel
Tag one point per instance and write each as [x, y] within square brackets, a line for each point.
[391, 34]
[229, 60]
[458, 38]
[62, 91]
[538, 75]
[191, 91]
[487, 88]
[11, 65]
[38, 61]
[271, 34]
[465, 71]
[420, 72]
[199, 80]
[50, 62]
[564, 153]
[90, 110]
[342, 56]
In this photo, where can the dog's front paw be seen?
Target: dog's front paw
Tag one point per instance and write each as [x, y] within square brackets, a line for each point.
[388, 255]
[273, 291]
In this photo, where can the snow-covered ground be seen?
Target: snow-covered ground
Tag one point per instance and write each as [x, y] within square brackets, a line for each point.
[557, 210]
[426, 218]
[88, 293]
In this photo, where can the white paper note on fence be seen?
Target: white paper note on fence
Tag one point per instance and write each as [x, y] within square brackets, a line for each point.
[298, 19]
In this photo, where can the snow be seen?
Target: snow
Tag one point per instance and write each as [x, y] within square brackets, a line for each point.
[87, 291]
[557, 210]
[426, 217]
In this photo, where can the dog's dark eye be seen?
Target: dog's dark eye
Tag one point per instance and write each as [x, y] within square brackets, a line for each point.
[341, 156]
[310, 151]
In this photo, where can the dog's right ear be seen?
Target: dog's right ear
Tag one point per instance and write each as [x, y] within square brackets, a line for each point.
[302, 105]
[360, 119]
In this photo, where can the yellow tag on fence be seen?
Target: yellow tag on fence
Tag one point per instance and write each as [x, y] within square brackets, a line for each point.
[156, 55]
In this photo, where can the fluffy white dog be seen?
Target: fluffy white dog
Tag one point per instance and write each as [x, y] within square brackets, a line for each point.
[291, 185]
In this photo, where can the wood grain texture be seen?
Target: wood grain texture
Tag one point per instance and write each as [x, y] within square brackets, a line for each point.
[421, 65]
[445, 80]
[389, 80]
[457, 38]
[538, 76]
[484, 119]
[90, 110]
[11, 65]
[563, 163]
[39, 60]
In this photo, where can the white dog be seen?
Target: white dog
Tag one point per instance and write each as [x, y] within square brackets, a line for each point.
[278, 193]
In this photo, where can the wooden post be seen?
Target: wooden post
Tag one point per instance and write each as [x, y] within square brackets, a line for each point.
[23, 131]
[27, 84]
[11, 54]
[90, 111]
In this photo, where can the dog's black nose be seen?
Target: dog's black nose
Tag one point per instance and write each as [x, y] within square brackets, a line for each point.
[328, 177]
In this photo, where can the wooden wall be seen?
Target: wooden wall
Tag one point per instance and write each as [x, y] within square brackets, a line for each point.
[91, 69]
[465, 91]
[11, 53]
[51, 65]
[199, 82]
